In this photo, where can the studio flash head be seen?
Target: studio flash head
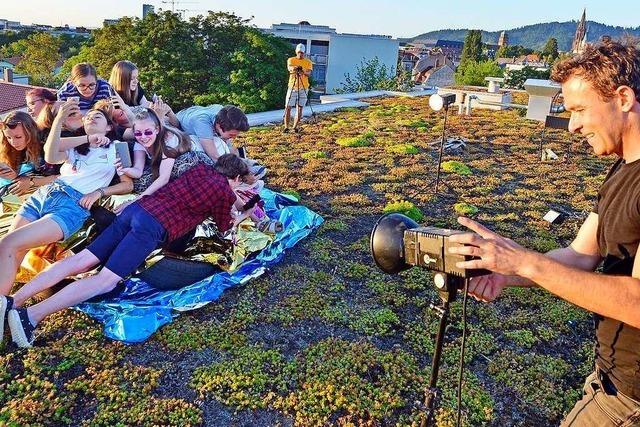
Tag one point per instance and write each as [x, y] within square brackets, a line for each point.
[438, 102]
[399, 243]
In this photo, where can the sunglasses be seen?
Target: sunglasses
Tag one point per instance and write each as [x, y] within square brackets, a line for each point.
[138, 134]
[10, 124]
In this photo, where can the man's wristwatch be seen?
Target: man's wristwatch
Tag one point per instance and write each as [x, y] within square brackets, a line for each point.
[101, 191]
[32, 182]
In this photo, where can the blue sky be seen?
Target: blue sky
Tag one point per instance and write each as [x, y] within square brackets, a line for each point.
[398, 18]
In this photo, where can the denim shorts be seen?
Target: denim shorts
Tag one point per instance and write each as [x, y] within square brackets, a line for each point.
[59, 202]
[125, 244]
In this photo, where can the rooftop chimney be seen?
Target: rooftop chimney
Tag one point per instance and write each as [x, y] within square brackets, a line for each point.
[8, 75]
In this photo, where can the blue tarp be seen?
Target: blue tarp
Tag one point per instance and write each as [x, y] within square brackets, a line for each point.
[139, 310]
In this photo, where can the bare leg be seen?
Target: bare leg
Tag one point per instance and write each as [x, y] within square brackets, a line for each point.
[74, 293]
[18, 221]
[79, 263]
[298, 116]
[287, 116]
[15, 245]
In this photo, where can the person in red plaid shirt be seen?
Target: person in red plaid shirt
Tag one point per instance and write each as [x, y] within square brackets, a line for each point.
[203, 191]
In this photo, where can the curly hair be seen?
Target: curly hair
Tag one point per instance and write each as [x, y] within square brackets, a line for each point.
[606, 66]
[33, 151]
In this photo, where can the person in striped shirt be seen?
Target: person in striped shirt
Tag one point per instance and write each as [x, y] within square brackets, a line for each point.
[86, 86]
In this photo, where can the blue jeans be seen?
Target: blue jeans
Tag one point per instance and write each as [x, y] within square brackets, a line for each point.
[59, 202]
[127, 242]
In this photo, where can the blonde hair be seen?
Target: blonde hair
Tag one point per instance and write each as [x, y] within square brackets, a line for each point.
[160, 149]
[120, 80]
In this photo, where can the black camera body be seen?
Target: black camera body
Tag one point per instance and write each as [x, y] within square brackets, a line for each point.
[428, 247]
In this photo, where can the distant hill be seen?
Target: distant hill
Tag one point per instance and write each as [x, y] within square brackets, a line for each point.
[535, 36]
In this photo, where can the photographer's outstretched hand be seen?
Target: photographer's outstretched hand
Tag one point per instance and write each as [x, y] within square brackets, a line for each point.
[494, 252]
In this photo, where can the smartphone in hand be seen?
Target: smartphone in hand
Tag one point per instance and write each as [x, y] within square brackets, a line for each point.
[122, 150]
[113, 97]
[251, 202]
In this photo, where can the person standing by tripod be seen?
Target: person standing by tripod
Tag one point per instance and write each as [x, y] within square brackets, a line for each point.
[299, 71]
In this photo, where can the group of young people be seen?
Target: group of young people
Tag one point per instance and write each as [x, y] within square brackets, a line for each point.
[98, 138]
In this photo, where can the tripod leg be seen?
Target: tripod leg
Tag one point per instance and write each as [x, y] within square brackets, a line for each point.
[431, 392]
[442, 141]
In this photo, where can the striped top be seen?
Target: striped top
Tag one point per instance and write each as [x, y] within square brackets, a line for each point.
[69, 89]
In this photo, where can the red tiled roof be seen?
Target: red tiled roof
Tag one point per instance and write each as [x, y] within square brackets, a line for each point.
[12, 96]
[13, 60]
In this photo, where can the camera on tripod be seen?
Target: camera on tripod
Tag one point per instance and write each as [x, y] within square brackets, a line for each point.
[298, 69]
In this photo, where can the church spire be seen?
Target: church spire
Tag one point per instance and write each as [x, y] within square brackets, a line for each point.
[580, 38]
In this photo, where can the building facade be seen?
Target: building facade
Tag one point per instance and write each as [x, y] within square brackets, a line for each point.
[335, 54]
[147, 9]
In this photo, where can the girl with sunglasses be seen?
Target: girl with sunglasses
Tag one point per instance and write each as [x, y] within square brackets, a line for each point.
[58, 210]
[85, 85]
[20, 154]
[155, 152]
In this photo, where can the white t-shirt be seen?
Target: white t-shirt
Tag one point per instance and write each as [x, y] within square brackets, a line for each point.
[195, 143]
[171, 142]
[222, 146]
[88, 173]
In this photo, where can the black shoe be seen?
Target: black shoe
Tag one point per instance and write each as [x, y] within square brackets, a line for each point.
[297, 130]
[21, 328]
[6, 304]
[286, 130]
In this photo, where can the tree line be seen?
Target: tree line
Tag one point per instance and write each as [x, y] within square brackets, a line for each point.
[475, 63]
[217, 58]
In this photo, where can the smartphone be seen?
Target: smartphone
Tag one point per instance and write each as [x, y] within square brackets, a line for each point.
[242, 152]
[5, 168]
[114, 98]
[122, 149]
[75, 99]
[251, 202]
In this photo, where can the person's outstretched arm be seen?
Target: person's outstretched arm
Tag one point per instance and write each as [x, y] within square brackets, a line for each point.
[571, 278]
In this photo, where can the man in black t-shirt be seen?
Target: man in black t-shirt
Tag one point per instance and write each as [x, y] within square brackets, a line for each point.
[601, 89]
